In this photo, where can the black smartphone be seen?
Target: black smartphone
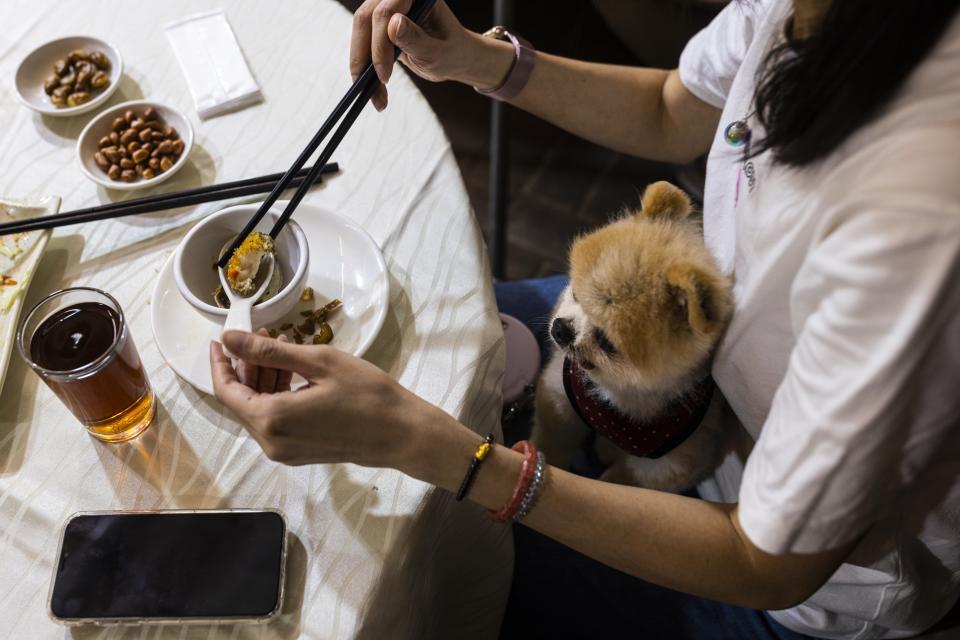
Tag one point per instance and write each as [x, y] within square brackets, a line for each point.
[163, 566]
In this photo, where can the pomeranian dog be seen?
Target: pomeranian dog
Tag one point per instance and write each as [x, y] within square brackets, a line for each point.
[634, 334]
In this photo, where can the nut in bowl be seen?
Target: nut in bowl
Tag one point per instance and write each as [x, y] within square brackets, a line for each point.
[69, 76]
[134, 145]
[197, 278]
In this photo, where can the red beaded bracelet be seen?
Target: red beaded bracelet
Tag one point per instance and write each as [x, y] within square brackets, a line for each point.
[524, 480]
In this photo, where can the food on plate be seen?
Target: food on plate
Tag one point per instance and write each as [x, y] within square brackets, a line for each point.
[77, 78]
[314, 329]
[140, 146]
[14, 249]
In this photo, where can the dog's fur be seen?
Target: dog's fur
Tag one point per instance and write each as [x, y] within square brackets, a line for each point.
[647, 286]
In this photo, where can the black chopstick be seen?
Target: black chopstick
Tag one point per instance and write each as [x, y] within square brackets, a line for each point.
[271, 178]
[328, 150]
[147, 205]
[363, 85]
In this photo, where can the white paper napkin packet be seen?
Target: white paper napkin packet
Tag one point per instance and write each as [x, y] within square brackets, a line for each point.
[210, 57]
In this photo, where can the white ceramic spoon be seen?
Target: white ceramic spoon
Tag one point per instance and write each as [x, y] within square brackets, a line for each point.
[240, 314]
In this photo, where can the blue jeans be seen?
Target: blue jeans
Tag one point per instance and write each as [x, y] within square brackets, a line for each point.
[560, 593]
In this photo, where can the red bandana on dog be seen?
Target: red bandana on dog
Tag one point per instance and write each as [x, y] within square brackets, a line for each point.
[643, 438]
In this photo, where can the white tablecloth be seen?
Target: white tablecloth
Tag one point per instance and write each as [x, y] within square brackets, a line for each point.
[374, 554]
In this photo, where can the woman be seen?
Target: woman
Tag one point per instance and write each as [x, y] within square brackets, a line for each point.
[833, 198]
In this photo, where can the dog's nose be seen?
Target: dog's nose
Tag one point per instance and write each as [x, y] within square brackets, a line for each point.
[562, 332]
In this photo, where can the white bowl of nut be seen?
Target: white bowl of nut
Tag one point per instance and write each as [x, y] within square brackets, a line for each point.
[134, 145]
[69, 76]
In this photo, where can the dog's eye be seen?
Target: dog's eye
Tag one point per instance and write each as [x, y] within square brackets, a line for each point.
[604, 342]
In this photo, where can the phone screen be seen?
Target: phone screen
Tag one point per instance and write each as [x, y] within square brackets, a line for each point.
[170, 565]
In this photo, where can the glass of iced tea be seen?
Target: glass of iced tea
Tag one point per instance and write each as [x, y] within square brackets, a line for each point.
[80, 345]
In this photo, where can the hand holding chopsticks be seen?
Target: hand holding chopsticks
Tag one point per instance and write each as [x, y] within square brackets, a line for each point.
[355, 99]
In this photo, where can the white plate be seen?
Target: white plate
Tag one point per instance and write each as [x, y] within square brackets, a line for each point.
[345, 263]
[89, 142]
[38, 65]
[23, 270]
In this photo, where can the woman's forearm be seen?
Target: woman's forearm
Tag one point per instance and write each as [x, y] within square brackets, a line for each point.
[682, 543]
[643, 112]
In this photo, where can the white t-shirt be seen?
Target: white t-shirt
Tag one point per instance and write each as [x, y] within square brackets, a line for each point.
[842, 361]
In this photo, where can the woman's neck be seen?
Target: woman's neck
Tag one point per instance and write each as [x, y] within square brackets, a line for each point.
[806, 16]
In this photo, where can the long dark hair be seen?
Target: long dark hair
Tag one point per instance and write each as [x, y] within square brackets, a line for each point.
[813, 93]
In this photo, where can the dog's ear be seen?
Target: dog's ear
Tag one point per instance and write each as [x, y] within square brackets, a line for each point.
[700, 297]
[663, 200]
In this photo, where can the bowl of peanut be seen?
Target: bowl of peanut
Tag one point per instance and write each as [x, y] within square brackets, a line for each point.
[134, 145]
[69, 76]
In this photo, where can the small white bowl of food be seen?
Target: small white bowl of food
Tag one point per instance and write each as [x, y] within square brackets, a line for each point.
[69, 76]
[196, 275]
[134, 145]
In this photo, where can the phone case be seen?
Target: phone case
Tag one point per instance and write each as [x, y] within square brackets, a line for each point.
[73, 622]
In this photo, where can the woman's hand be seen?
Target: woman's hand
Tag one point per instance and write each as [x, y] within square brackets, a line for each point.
[350, 411]
[442, 49]
[264, 379]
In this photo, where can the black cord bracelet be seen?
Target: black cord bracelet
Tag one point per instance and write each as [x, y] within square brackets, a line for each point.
[478, 457]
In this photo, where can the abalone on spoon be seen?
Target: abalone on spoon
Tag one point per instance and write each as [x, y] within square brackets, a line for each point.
[258, 274]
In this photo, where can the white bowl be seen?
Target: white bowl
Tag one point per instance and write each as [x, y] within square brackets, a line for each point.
[196, 277]
[345, 263]
[89, 143]
[37, 66]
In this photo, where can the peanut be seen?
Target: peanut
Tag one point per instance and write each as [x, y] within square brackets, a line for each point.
[78, 98]
[100, 59]
[114, 172]
[99, 80]
[101, 161]
[128, 176]
[110, 153]
[50, 84]
[83, 79]
[140, 155]
[165, 163]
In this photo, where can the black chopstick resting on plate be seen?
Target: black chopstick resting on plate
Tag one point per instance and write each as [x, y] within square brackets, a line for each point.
[272, 178]
[362, 88]
[186, 198]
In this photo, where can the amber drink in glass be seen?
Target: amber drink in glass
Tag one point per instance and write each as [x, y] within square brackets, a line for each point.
[79, 344]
